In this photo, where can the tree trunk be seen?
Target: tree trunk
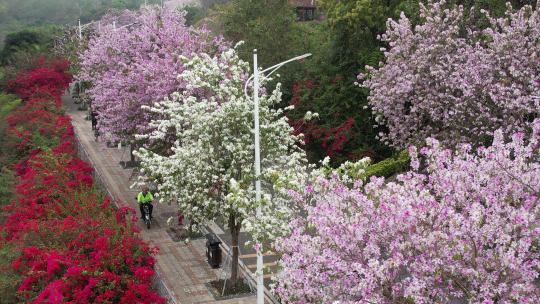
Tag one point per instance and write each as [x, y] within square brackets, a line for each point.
[234, 228]
[131, 156]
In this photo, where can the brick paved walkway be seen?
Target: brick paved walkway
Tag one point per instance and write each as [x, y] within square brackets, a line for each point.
[182, 267]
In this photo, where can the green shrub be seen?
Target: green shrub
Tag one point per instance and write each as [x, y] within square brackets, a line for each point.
[2, 77]
[388, 167]
[8, 102]
[194, 14]
[9, 280]
[362, 169]
[7, 182]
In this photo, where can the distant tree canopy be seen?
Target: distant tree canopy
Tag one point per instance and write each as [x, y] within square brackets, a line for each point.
[194, 14]
[24, 39]
[207, 4]
[17, 15]
[36, 12]
[22, 47]
[29, 41]
[263, 25]
[346, 128]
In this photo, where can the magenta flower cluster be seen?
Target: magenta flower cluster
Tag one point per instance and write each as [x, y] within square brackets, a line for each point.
[450, 80]
[135, 61]
[461, 226]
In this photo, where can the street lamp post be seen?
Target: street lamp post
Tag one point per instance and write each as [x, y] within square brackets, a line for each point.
[83, 26]
[80, 30]
[255, 76]
[260, 278]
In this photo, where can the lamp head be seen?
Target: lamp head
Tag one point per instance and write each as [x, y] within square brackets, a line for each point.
[302, 56]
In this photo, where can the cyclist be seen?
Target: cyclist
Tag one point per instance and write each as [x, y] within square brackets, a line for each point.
[145, 197]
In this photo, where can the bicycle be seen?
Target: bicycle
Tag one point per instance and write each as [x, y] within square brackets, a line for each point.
[146, 216]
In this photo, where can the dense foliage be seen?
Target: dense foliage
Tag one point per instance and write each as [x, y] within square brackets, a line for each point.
[137, 65]
[315, 85]
[18, 15]
[209, 169]
[61, 242]
[267, 26]
[451, 80]
[47, 77]
[344, 44]
[364, 169]
[343, 47]
[8, 103]
[463, 227]
[26, 41]
[22, 47]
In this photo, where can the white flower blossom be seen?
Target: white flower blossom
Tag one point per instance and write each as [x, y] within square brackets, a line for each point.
[208, 166]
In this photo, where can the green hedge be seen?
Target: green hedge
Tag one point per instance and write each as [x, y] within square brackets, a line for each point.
[8, 102]
[2, 76]
[362, 170]
[8, 279]
[7, 180]
[389, 166]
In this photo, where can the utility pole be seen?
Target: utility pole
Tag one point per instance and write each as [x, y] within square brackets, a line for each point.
[260, 278]
[80, 30]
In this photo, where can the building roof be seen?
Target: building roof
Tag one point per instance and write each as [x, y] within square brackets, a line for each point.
[302, 3]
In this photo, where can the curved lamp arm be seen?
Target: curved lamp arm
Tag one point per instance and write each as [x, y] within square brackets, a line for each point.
[272, 69]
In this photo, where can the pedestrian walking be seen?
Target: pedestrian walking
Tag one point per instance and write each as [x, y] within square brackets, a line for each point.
[93, 118]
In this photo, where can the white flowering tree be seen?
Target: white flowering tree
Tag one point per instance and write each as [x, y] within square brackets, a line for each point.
[208, 170]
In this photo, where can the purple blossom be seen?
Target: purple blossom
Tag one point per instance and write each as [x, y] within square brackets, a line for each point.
[138, 64]
[467, 229]
[437, 81]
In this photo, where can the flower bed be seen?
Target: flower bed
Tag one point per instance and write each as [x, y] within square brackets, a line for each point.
[69, 245]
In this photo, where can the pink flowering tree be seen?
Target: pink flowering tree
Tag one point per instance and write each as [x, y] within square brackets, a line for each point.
[134, 62]
[465, 229]
[447, 79]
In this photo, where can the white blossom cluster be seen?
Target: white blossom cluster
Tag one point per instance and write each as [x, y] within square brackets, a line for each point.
[208, 170]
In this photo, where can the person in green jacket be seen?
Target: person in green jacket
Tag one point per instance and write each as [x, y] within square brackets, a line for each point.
[145, 197]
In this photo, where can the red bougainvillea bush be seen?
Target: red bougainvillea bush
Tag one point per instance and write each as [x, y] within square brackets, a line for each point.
[48, 77]
[72, 247]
